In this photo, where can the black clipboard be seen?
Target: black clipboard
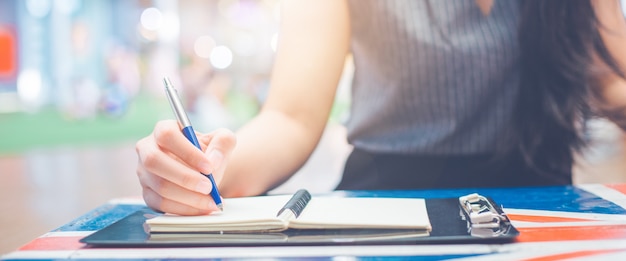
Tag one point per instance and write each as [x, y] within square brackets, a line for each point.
[471, 219]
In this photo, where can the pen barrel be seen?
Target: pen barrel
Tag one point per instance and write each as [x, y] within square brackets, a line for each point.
[177, 105]
[215, 194]
[190, 134]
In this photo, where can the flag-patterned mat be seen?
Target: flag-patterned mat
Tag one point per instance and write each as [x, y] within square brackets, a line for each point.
[556, 223]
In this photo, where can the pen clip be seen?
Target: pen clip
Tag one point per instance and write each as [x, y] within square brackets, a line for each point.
[297, 203]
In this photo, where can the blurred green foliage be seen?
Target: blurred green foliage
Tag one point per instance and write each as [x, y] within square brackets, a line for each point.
[49, 127]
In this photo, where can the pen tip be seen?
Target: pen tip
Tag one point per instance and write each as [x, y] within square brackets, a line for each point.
[221, 207]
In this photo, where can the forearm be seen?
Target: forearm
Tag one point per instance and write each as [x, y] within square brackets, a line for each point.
[266, 154]
[313, 45]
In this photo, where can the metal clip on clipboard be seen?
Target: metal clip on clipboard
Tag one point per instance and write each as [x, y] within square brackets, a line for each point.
[484, 218]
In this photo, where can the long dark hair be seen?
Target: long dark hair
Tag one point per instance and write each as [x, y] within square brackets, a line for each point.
[559, 41]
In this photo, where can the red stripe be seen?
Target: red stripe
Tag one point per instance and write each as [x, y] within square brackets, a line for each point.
[534, 218]
[571, 255]
[618, 187]
[54, 243]
[540, 234]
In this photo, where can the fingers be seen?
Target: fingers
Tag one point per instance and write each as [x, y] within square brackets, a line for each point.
[155, 201]
[162, 194]
[169, 168]
[157, 162]
[221, 144]
[168, 137]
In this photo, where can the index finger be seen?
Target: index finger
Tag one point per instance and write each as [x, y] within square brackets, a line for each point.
[169, 137]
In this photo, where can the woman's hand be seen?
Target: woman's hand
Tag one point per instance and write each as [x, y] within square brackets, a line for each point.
[170, 168]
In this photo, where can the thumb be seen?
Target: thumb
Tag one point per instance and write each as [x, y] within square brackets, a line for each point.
[220, 144]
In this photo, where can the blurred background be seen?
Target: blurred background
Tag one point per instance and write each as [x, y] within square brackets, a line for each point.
[81, 82]
[85, 71]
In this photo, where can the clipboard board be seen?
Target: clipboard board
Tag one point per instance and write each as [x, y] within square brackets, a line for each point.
[470, 219]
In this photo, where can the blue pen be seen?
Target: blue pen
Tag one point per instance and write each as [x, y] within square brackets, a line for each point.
[188, 131]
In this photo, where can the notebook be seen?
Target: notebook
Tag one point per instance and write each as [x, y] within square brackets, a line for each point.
[301, 211]
[293, 236]
[470, 219]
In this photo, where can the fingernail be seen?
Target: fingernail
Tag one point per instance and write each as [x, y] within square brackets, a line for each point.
[204, 187]
[216, 158]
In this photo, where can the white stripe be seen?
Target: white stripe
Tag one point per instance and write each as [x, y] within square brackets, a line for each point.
[621, 255]
[127, 201]
[520, 251]
[618, 198]
[38, 255]
[563, 214]
[68, 234]
[272, 252]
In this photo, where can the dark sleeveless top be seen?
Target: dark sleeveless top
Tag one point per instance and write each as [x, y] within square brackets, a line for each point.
[432, 77]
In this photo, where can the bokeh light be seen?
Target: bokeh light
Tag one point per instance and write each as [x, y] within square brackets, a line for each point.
[274, 42]
[67, 7]
[151, 19]
[29, 87]
[221, 57]
[170, 26]
[38, 8]
[203, 46]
